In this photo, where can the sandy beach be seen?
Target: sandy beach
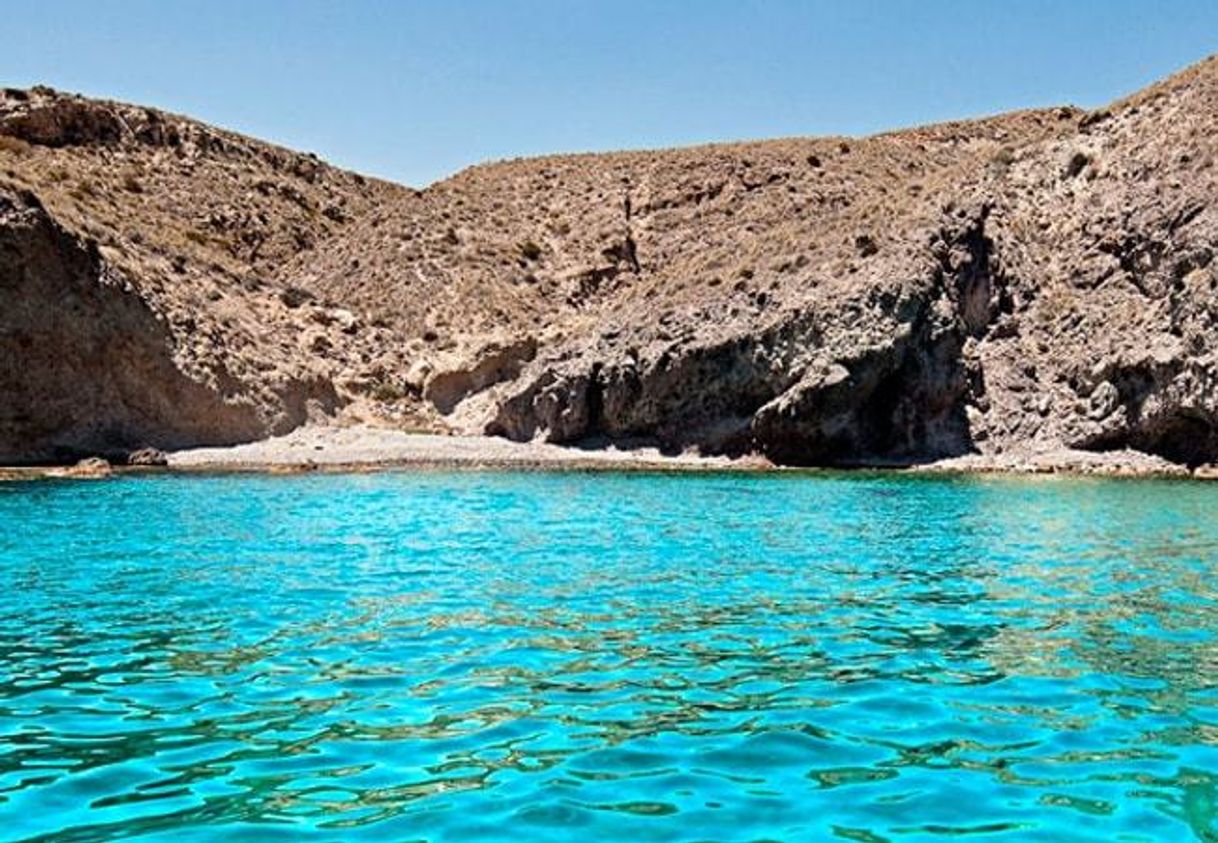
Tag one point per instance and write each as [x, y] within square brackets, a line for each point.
[366, 448]
[369, 448]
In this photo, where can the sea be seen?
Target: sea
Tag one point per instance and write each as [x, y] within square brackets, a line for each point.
[600, 656]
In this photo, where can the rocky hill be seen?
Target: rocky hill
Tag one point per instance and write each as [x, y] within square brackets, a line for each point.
[1041, 277]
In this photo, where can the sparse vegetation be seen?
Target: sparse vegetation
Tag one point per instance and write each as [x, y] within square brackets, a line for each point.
[530, 251]
[84, 191]
[14, 146]
[1002, 160]
[1077, 163]
[388, 392]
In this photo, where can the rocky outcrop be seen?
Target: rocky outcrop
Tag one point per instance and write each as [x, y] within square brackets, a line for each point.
[138, 302]
[1030, 282]
[472, 372]
[90, 366]
[878, 377]
[86, 366]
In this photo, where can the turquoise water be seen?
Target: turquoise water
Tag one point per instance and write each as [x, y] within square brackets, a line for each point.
[577, 657]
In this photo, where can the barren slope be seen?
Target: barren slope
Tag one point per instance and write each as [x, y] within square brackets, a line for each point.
[1037, 277]
[140, 258]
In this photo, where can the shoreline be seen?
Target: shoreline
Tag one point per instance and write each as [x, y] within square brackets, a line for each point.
[373, 448]
[361, 450]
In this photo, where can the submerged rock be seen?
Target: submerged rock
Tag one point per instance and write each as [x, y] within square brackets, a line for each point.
[147, 457]
[90, 468]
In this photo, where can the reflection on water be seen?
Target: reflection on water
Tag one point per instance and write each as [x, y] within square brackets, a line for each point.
[550, 656]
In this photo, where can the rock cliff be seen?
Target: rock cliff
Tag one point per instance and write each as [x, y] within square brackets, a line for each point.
[1042, 277]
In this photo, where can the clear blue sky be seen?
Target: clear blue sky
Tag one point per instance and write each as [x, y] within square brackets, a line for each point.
[416, 90]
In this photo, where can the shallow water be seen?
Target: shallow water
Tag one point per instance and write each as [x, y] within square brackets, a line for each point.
[540, 657]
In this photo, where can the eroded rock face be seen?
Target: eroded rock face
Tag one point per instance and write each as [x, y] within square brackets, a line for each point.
[870, 372]
[86, 366]
[139, 303]
[474, 371]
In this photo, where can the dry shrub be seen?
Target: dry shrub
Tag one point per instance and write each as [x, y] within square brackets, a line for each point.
[13, 145]
[84, 191]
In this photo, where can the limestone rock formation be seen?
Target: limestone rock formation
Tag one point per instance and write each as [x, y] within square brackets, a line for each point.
[1044, 277]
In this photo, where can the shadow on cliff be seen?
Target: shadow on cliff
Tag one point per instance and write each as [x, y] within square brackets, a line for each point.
[882, 379]
[85, 366]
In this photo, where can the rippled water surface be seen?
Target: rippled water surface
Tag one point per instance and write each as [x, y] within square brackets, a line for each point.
[608, 657]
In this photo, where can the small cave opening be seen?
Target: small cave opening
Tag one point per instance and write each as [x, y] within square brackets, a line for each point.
[913, 418]
[915, 413]
[1184, 436]
[903, 414]
[595, 398]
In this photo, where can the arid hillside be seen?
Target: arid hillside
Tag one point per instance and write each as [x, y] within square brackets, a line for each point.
[1041, 277]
